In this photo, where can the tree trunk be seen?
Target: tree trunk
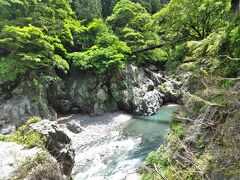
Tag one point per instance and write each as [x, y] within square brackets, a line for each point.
[236, 6]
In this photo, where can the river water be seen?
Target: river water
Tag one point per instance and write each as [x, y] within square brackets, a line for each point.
[114, 146]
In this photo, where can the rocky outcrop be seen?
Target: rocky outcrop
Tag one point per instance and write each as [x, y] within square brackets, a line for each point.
[11, 155]
[135, 90]
[82, 92]
[58, 144]
[74, 126]
[26, 101]
[171, 91]
[152, 101]
[17, 162]
[48, 169]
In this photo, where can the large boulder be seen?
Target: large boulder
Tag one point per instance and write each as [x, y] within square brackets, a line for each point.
[11, 155]
[58, 144]
[17, 162]
[26, 100]
[58, 98]
[152, 101]
[74, 126]
[171, 91]
[135, 92]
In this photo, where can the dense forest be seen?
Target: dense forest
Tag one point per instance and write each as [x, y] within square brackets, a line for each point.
[48, 37]
[195, 42]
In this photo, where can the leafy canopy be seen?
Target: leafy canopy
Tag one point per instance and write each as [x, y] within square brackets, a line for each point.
[192, 19]
[135, 26]
[27, 50]
[106, 51]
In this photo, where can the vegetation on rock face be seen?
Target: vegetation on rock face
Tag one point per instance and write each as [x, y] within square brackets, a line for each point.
[29, 138]
[209, 54]
[199, 40]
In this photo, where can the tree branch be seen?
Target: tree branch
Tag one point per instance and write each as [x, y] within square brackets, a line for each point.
[230, 58]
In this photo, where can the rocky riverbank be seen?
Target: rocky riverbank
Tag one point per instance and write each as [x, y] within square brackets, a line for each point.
[51, 158]
[114, 145]
[134, 90]
[205, 138]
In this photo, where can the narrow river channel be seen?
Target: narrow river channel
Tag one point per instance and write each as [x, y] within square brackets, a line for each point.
[114, 146]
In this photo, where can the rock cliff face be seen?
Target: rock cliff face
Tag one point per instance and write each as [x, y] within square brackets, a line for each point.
[135, 90]
[27, 100]
[58, 144]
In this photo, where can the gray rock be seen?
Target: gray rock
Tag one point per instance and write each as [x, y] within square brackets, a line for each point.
[150, 85]
[57, 96]
[171, 91]
[74, 126]
[132, 88]
[13, 156]
[98, 110]
[84, 92]
[7, 129]
[125, 90]
[48, 170]
[15, 112]
[58, 144]
[152, 101]
[152, 68]
[65, 105]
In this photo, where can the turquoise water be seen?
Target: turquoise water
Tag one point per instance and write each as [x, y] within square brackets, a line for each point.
[118, 155]
[151, 129]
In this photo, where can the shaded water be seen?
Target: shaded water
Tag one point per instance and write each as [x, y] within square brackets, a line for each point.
[119, 153]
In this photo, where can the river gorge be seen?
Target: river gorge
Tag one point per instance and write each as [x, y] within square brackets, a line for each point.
[115, 145]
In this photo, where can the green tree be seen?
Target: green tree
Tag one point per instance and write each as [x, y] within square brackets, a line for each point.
[27, 52]
[135, 26]
[87, 9]
[152, 6]
[105, 53]
[194, 19]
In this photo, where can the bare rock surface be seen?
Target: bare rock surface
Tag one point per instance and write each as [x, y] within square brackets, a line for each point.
[12, 155]
[58, 144]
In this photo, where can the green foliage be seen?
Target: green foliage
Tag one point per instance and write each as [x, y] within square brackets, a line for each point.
[132, 23]
[158, 159]
[106, 53]
[229, 65]
[29, 138]
[198, 105]
[175, 56]
[233, 35]
[152, 6]
[177, 129]
[221, 99]
[194, 19]
[30, 121]
[200, 143]
[27, 50]
[204, 54]
[135, 26]
[35, 38]
[88, 10]
[226, 83]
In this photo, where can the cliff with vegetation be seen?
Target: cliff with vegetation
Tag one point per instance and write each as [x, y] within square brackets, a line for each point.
[75, 56]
